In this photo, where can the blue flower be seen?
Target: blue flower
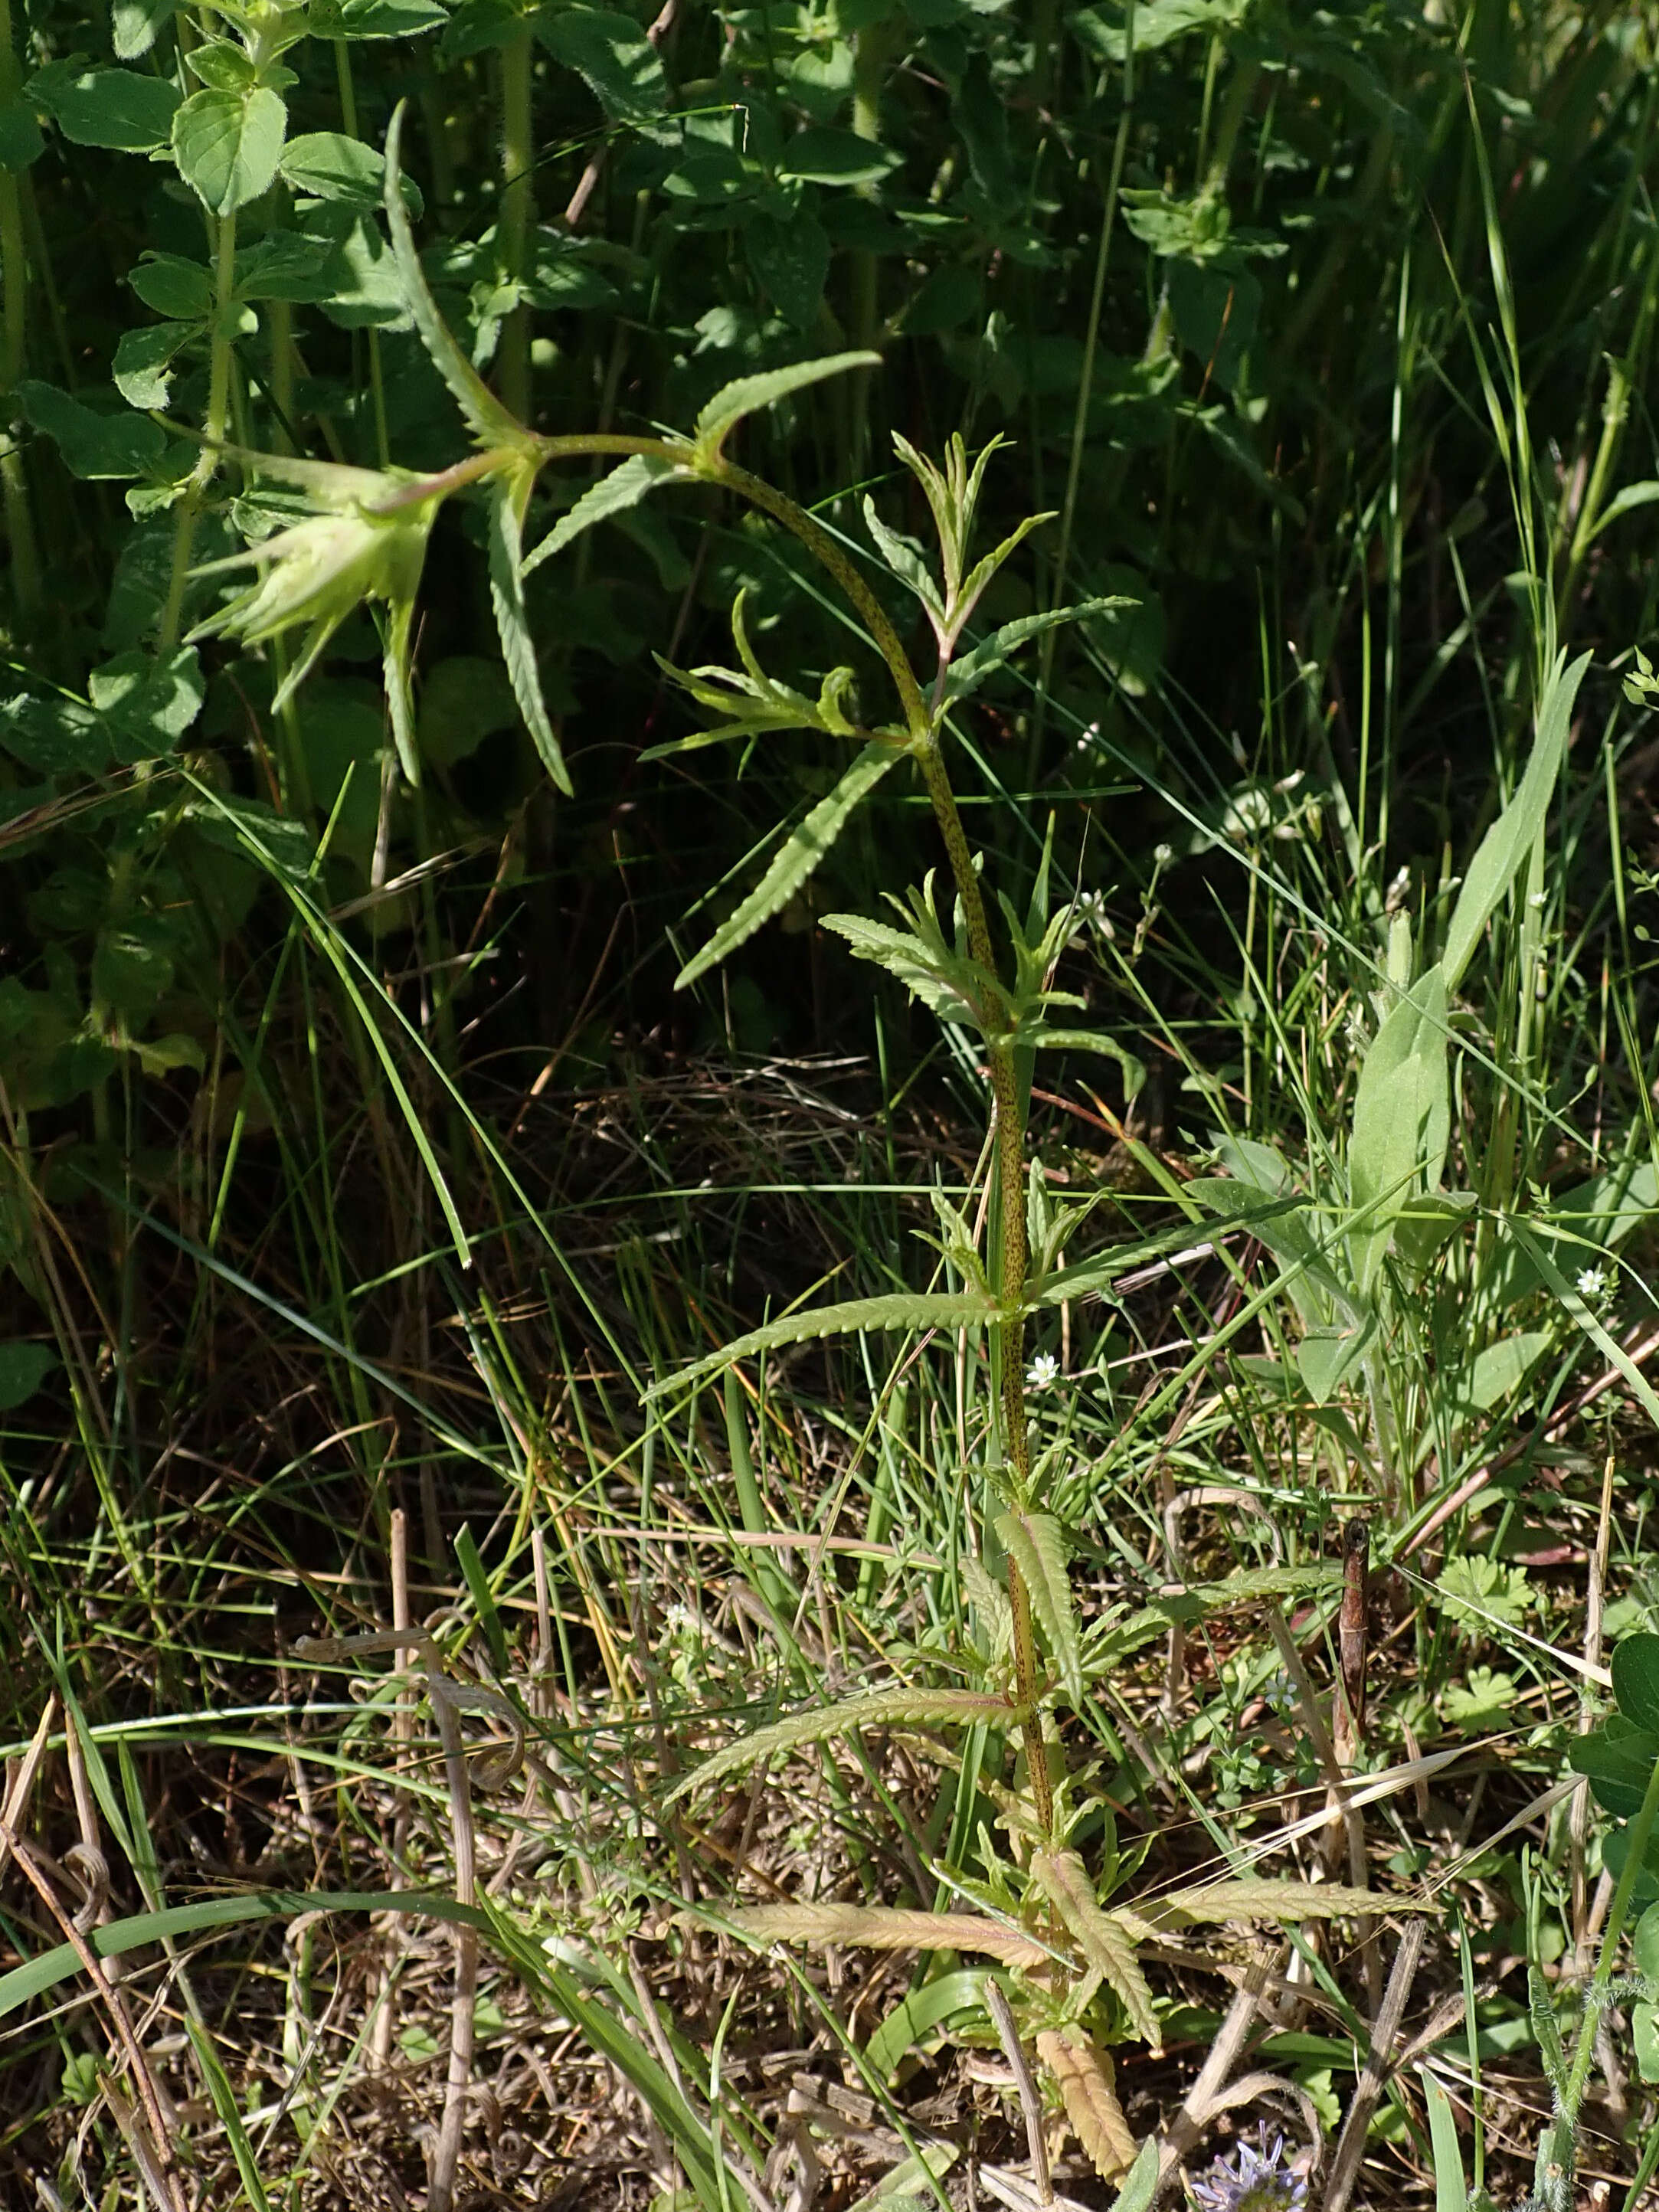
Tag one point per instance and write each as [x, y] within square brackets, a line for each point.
[1256, 2179]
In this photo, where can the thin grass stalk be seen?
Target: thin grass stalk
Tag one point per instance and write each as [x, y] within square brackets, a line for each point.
[518, 214]
[13, 334]
[1086, 386]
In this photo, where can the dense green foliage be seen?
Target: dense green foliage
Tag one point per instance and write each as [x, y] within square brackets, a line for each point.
[523, 527]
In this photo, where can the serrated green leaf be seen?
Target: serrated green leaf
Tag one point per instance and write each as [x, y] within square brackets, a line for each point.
[900, 1309]
[1256, 1897]
[749, 394]
[327, 165]
[518, 646]
[967, 597]
[621, 488]
[135, 26]
[228, 144]
[128, 110]
[490, 423]
[1033, 1541]
[612, 55]
[94, 445]
[904, 558]
[967, 674]
[881, 1708]
[1044, 1039]
[794, 863]
[1502, 850]
[1105, 1942]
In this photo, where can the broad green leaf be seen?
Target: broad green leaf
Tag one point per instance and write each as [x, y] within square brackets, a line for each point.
[790, 258]
[1497, 1370]
[128, 110]
[142, 367]
[373, 18]
[1140, 2184]
[180, 289]
[21, 139]
[23, 1368]
[618, 490]
[1636, 1680]
[749, 394]
[490, 423]
[136, 24]
[326, 165]
[794, 864]
[227, 145]
[918, 2015]
[878, 1708]
[1328, 1357]
[611, 54]
[967, 674]
[1645, 2040]
[1618, 1758]
[1401, 1121]
[512, 622]
[901, 1310]
[94, 445]
[148, 704]
[1033, 1543]
[1451, 2189]
[822, 154]
[1502, 851]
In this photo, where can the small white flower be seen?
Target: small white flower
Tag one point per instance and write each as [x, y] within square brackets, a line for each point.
[1592, 1283]
[1043, 1372]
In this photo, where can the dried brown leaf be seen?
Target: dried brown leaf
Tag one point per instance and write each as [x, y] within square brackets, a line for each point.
[1083, 2073]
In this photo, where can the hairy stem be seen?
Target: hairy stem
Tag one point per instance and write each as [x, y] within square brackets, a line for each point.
[218, 408]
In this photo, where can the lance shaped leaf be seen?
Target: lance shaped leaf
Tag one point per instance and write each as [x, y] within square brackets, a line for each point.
[942, 975]
[490, 423]
[967, 674]
[881, 1708]
[1501, 853]
[952, 493]
[749, 394]
[904, 1310]
[1401, 1121]
[509, 498]
[751, 702]
[1084, 2075]
[794, 863]
[1033, 1541]
[614, 493]
[904, 558]
[884, 1928]
[1255, 1898]
[1105, 1942]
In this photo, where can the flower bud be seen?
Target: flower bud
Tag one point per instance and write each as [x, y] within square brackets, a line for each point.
[367, 543]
